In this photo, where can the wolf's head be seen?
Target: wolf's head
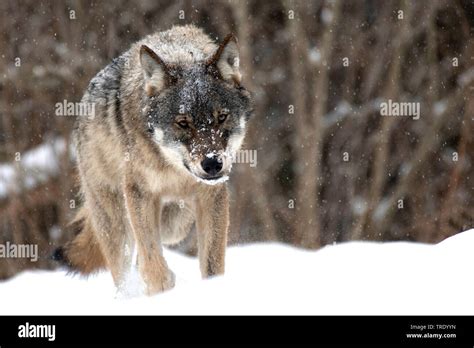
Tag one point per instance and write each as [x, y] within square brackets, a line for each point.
[196, 114]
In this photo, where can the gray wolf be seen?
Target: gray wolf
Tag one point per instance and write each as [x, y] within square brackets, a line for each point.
[170, 115]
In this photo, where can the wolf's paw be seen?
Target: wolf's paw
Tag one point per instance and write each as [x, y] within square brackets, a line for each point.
[164, 283]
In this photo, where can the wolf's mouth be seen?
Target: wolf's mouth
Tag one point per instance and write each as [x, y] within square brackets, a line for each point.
[213, 177]
[210, 180]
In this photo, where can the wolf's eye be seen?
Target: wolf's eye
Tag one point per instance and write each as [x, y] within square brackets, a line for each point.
[183, 124]
[221, 118]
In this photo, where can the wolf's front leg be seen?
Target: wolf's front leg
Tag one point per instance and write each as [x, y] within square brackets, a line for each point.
[142, 209]
[212, 221]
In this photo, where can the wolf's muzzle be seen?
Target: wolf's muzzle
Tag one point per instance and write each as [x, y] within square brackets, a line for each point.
[212, 165]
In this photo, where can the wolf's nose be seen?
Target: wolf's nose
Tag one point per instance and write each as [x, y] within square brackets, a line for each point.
[212, 165]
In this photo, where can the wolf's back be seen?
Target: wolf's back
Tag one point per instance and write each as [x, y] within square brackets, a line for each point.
[179, 45]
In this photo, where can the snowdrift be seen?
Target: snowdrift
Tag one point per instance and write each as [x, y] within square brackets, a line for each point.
[355, 278]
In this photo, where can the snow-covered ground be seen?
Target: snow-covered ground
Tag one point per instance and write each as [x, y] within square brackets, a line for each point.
[349, 278]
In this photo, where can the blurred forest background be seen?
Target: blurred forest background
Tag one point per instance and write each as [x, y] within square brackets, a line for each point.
[330, 167]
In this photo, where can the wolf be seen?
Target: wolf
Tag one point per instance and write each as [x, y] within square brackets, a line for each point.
[170, 115]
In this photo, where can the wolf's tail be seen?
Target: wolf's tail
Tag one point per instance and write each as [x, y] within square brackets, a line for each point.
[82, 254]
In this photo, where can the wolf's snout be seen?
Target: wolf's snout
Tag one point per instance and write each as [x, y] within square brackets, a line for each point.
[212, 165]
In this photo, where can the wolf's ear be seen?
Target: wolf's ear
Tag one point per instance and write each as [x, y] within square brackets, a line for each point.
[155, 71]
[226, 59]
